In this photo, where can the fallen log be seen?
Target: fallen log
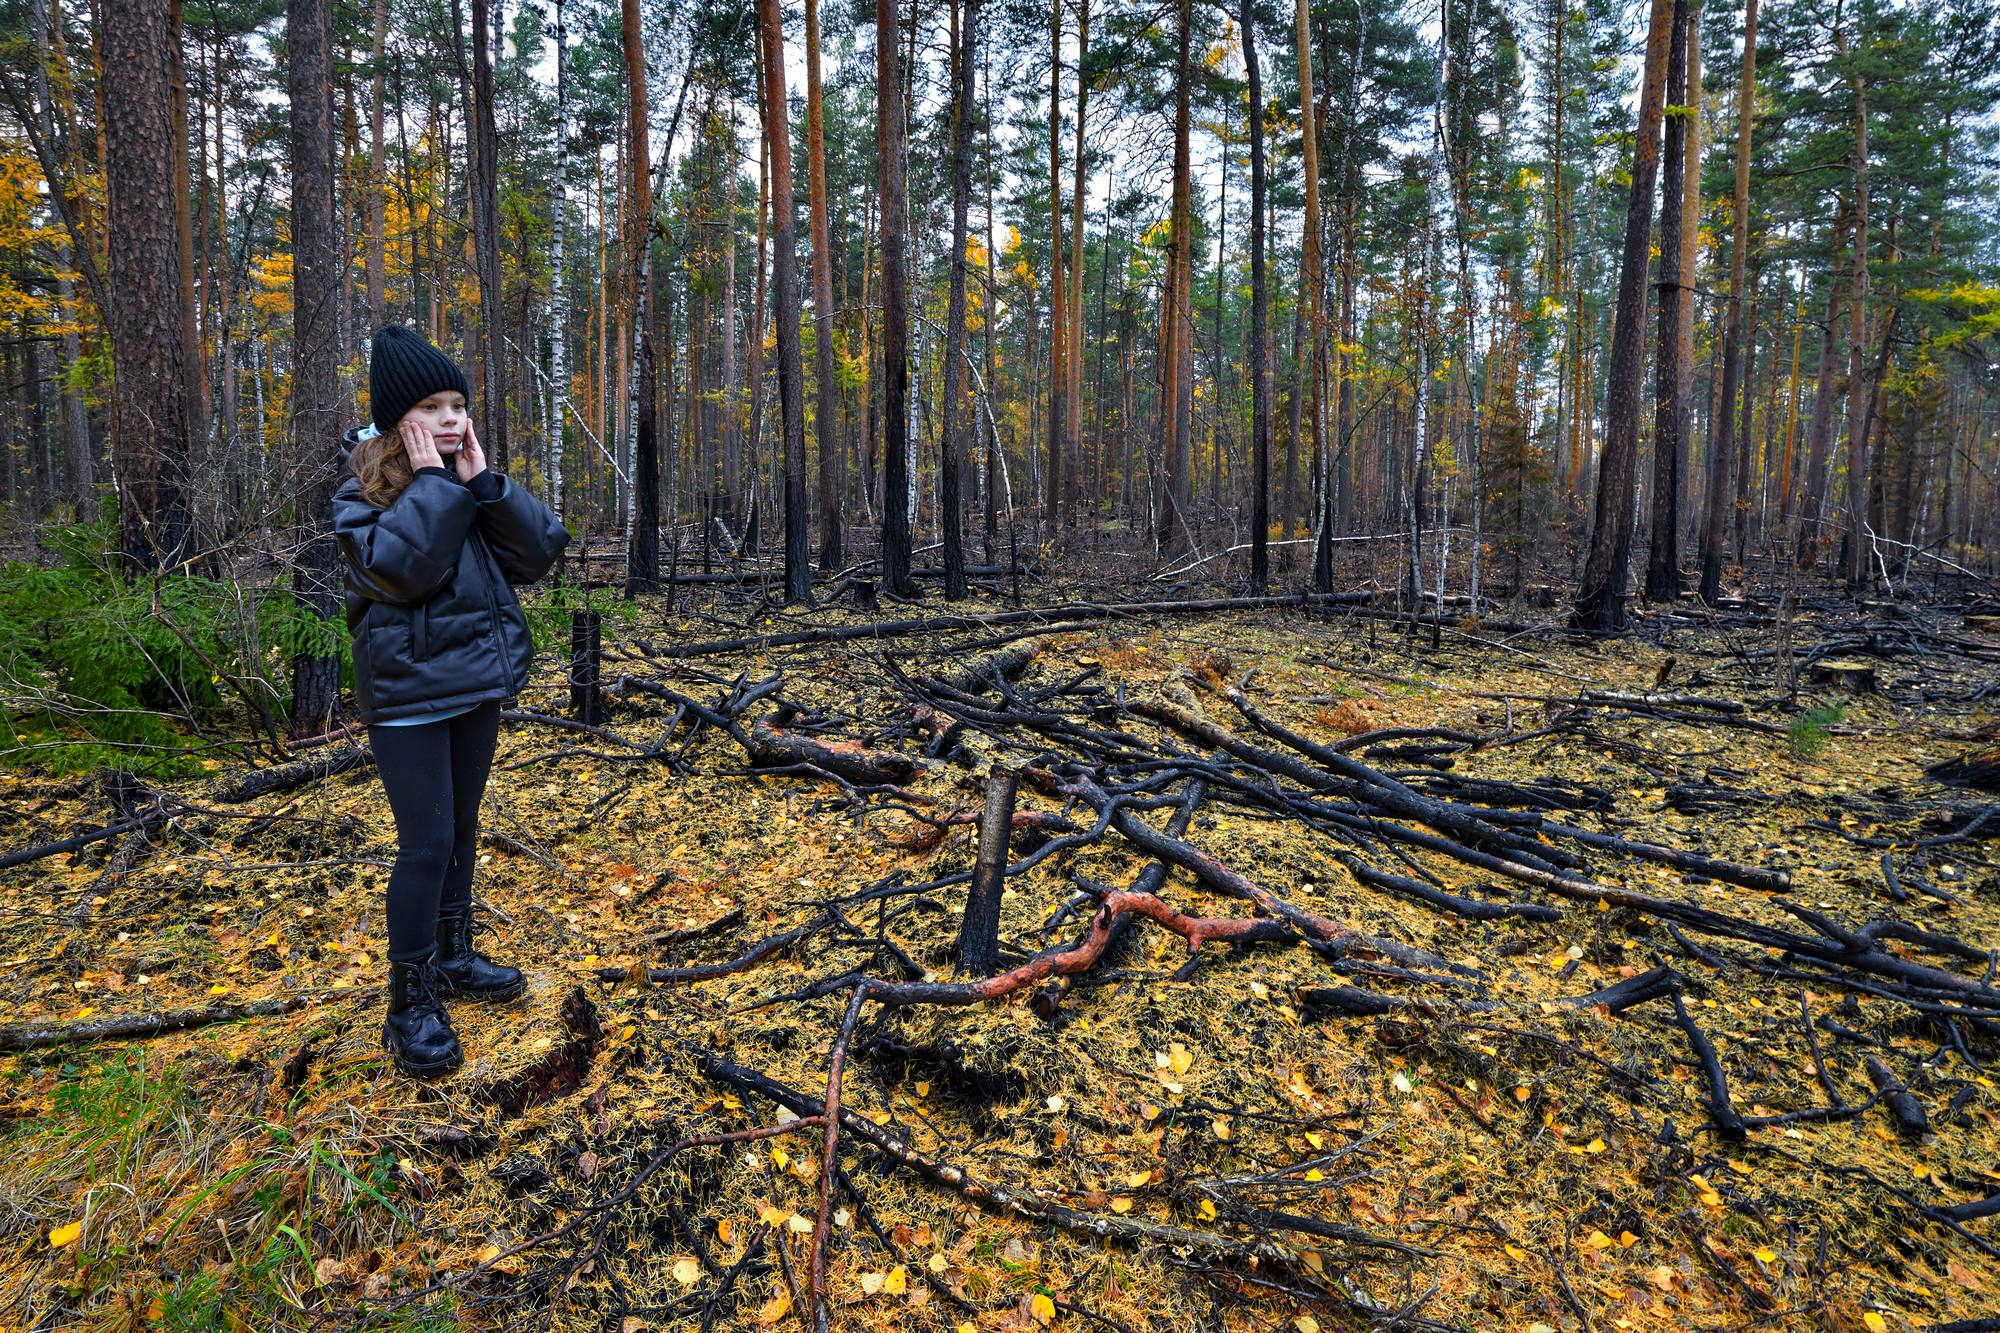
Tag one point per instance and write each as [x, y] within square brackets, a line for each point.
[248, 786]
[70, 844]
[979, 675]
[771, 747]
[120, 1027]
[1080, 611]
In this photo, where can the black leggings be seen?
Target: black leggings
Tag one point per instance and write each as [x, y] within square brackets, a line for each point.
[435, 774]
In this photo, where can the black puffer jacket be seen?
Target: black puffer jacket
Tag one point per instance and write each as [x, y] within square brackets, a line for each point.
[430, 597]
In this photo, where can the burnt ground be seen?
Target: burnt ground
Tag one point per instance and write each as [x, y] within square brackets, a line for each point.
[1378, 1106]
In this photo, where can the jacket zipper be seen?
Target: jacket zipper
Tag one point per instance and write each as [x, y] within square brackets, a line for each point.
[493, 611]
[500, 637]
[420, 633]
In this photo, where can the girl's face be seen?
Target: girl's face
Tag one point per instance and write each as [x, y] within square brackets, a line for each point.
[444, 414]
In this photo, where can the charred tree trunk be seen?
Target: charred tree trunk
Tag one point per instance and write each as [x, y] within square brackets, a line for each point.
[956, 350]
[895, 306]
[784, 301]
[826, 429]
[1260, 322]
[1600, 605]
[1663, 557]
[1716, 525]
[642, 535]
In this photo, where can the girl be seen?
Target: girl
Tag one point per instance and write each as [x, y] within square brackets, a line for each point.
[432, 553]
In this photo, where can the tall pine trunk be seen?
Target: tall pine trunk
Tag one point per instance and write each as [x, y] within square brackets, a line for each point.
[895, 306]
[642, 531]
[1260, 322]
[1716, 524]
[826, 425]
[785, 303]
[315, 398]
[485, 185]
[151, 428]
[957, 352]
[1663, 557]
[1601, 599]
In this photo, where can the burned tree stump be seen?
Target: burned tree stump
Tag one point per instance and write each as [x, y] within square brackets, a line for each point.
[586, 659]
[1845, 677]
[1906, 1110]
[979, 932]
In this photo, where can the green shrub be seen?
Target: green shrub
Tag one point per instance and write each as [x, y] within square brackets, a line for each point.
[549, 612]
[102, 669]
[1808, 731]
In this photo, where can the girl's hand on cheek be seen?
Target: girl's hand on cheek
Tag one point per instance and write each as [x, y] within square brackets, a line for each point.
[470, 459]
[419, 445]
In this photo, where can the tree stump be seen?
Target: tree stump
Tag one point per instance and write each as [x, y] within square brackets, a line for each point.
[979, 932]
[586, 657]
[1845, 677]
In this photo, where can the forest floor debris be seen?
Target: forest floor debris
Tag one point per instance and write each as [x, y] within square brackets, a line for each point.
[1420, 1089]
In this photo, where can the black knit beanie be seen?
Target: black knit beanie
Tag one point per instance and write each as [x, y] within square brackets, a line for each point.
[403, 370]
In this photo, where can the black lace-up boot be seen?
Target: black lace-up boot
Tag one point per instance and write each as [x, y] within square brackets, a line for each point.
[466, 971]
[417, 1031]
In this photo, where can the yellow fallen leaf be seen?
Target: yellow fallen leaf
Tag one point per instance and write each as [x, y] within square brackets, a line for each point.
[1044, 1309]
[1207, 1210]
[725, 1229]
[1221, 1128]
[780, 1158]
[687, 1271]
[64, 1235]
[1597, 1240]
[1875, 1322]
[1138, 1178]
[771, 1217]
[1594, 1146]
[801, 1225]
[1517, 1254]
[938, 1263]
[871, 1283]
[1315, 1174]
[1121, 1204]
[1765, 1254]
[1305, 1323]
[1315, 1140]
[1180, 1058]
[897, 1282]
[775, 1309]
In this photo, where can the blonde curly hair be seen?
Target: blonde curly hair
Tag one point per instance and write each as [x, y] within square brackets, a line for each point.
[383, 465]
